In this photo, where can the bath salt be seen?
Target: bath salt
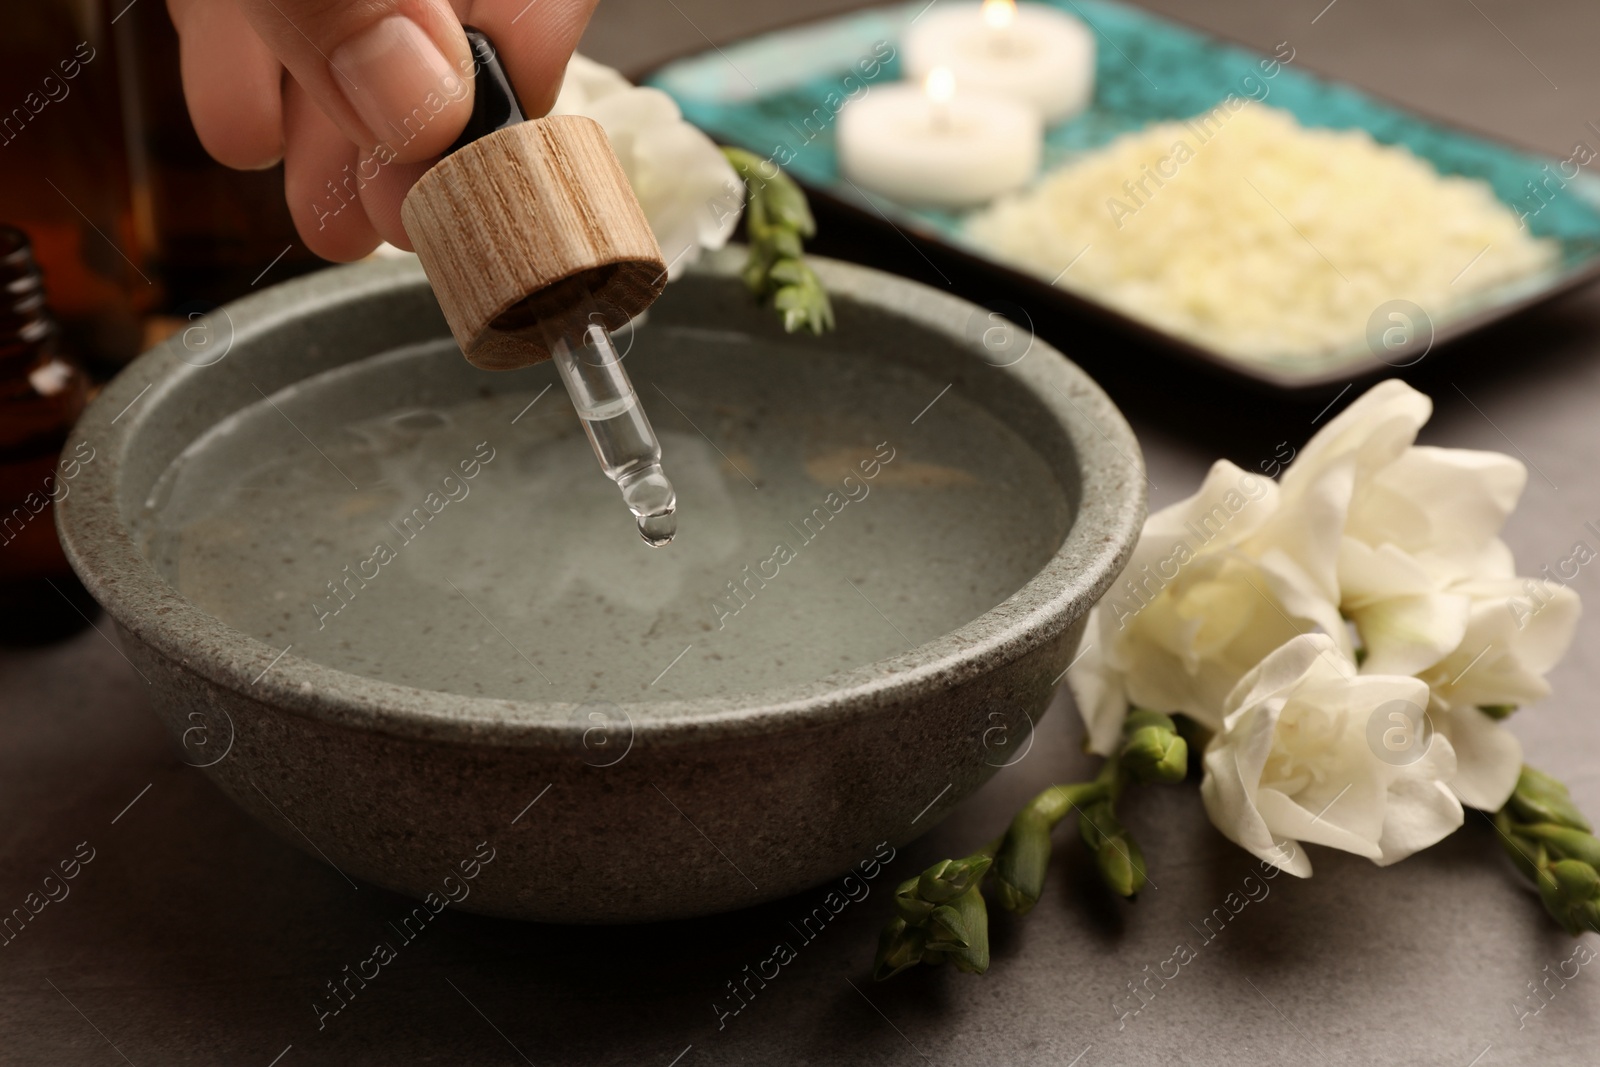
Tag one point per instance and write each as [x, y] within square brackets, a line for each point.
[1245, 232]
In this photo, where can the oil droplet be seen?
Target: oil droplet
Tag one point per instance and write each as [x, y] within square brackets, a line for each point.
[650, 496]
[658, 530]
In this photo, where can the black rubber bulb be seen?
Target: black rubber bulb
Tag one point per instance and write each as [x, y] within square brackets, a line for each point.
[494, 103]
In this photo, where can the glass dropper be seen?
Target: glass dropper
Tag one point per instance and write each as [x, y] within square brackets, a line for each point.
[604, 397]
[581, 345]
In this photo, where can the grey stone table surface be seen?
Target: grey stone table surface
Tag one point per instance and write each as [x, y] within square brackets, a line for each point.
[195, 936]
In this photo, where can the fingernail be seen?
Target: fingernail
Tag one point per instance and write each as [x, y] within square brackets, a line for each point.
[397, 79]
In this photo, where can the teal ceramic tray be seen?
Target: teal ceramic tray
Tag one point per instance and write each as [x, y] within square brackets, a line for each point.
[1148, 69]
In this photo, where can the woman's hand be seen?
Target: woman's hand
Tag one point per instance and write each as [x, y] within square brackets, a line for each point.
[356, 97]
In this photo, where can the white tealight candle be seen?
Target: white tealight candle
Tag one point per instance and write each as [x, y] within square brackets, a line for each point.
[931, 145]
[1027, 51]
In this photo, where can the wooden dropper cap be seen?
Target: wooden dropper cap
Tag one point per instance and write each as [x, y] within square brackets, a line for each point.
[523, 222]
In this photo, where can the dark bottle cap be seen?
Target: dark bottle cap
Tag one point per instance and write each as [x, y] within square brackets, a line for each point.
[24, 319]
[42, 392]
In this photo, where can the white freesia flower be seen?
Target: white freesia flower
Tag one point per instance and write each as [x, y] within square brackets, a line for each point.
[689, 191]
[1511, 642]
[1193, 612]
[1295, 762]
[1317, 487]
[1401, 540]
[1406, 523]
[1425, 578]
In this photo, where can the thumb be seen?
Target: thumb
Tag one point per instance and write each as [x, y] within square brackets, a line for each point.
[391, 72]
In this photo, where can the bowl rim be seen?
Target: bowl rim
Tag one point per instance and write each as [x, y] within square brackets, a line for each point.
[101, 547]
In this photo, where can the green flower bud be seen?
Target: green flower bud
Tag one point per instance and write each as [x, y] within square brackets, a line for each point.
[1023, 860]
[1118, 857]
[1122, 866]
[947, 930]
[1497, 711]
[972, 958]
[1541, 798]
[912, 908]
[755, 273]
[1097, 822]
[948, 879]
[1570, 890]
[1152, 750]
[792, 271]
[787, 205]
[786, 245]
[899, 946]
[1139, 718]
[1564, 841]
[1576, 879]
[1155, 754]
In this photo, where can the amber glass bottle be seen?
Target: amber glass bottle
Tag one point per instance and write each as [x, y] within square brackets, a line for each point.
[42, 393]
[218, 233]
[100, 166]
[66, 177]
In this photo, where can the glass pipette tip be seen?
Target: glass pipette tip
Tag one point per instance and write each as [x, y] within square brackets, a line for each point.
[617, 427]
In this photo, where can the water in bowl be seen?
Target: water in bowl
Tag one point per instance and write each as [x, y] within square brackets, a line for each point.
[409, 519]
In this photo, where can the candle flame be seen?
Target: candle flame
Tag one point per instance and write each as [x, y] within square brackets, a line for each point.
[999, 14]
[940, 85]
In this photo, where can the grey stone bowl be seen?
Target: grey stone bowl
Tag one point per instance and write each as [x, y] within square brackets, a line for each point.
[718, 803]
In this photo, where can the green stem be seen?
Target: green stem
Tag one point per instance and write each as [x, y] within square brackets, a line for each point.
[1024, 857]
[940, 913]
